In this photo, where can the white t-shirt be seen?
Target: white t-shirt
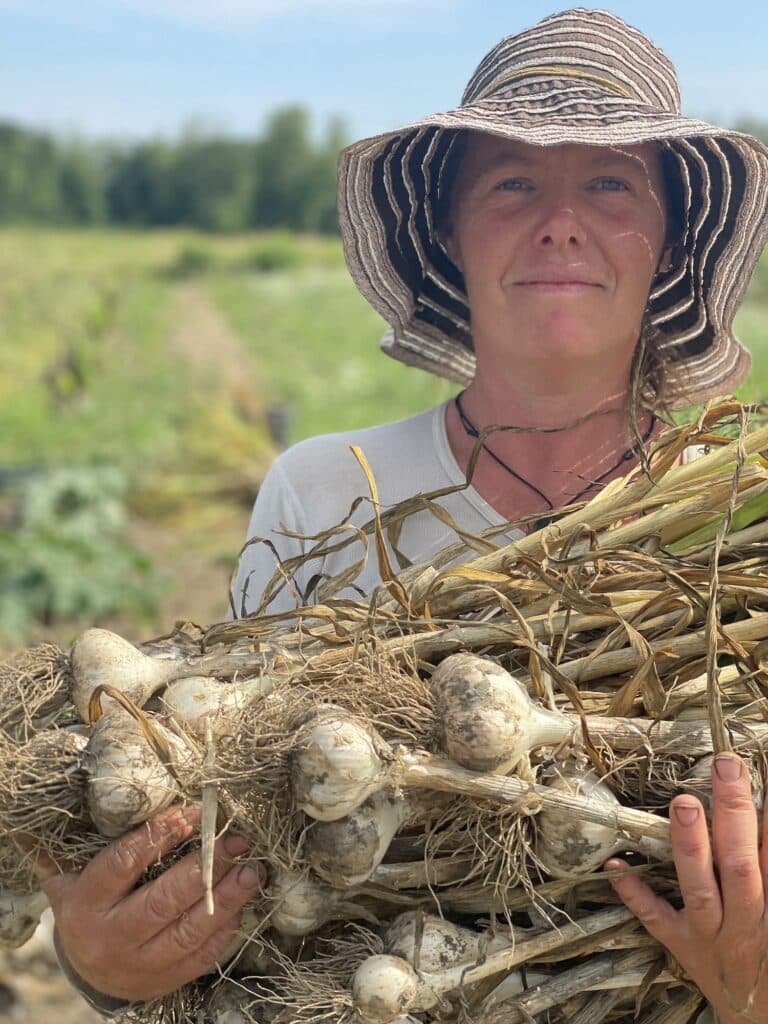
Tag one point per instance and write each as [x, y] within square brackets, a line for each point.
[312, 486]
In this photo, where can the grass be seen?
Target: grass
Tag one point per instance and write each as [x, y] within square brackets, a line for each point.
[316, 342]
[85, 375]
[87, 372]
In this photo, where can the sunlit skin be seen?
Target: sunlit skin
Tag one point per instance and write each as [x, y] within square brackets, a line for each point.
[139, 943]
[558, 247]
[720, 936]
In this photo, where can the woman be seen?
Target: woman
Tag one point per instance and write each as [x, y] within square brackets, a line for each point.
[573, 250]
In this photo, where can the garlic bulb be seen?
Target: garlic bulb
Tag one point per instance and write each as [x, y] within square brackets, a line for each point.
[19, 917]
[431, 943]
[228, 1003]
[567, 846]
[102, 658]
[384, 988]
[262, 958]
[258, 949]
[486, 720]
[336, 763]
[190, 701]
[127, 782]
[303, 904]
[347, 851]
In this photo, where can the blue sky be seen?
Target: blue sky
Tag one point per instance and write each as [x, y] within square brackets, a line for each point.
[134, 68]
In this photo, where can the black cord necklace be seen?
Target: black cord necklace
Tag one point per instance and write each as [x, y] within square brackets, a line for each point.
[472, 431]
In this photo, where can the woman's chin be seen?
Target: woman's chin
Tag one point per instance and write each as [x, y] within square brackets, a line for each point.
[558, 350]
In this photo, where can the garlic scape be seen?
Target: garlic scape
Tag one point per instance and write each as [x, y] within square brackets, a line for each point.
[567, 845]
[485, 719]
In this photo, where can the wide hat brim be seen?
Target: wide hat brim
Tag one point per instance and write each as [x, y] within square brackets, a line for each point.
[399, 264]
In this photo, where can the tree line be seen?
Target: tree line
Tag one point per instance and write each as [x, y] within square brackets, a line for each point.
[282, 178]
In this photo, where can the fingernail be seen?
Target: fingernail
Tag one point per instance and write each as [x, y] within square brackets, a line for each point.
[178, 825]
[235, 845]
[249, 877]
[686, 814]
[728, 768]
[184, 817]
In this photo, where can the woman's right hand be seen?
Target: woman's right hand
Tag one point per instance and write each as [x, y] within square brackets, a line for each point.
[140, 944]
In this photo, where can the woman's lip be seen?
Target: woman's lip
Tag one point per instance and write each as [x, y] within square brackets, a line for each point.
[559, 284]
[561, 289]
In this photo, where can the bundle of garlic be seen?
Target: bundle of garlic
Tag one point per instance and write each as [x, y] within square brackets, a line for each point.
[435, 776]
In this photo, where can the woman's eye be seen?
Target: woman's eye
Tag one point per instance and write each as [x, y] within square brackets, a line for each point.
[611, 185]
[513, 185]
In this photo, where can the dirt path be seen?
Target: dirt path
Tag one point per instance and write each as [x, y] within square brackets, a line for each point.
[197, 552]
[213, 352]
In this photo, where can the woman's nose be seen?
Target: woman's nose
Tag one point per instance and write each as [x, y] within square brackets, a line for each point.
[560, 229]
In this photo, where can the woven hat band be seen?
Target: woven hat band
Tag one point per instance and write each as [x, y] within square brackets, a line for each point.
[554, 70]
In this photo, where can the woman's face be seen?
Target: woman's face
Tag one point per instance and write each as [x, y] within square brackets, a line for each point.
[558, 247]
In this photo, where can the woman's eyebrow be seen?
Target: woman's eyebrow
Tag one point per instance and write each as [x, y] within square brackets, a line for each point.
[492, 163]
[624, 159]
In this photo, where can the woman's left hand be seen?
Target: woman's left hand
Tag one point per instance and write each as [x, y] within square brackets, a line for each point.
[720, 936]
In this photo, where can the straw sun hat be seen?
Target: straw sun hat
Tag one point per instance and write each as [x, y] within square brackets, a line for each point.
[581, 76]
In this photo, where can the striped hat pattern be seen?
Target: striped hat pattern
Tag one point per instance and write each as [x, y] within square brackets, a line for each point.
[581, 76]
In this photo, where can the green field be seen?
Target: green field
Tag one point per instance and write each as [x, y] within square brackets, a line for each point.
[89, 369]
[161, 354]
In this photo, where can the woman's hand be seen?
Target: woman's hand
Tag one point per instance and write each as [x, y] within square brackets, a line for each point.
[139, 944]
[721, 935]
